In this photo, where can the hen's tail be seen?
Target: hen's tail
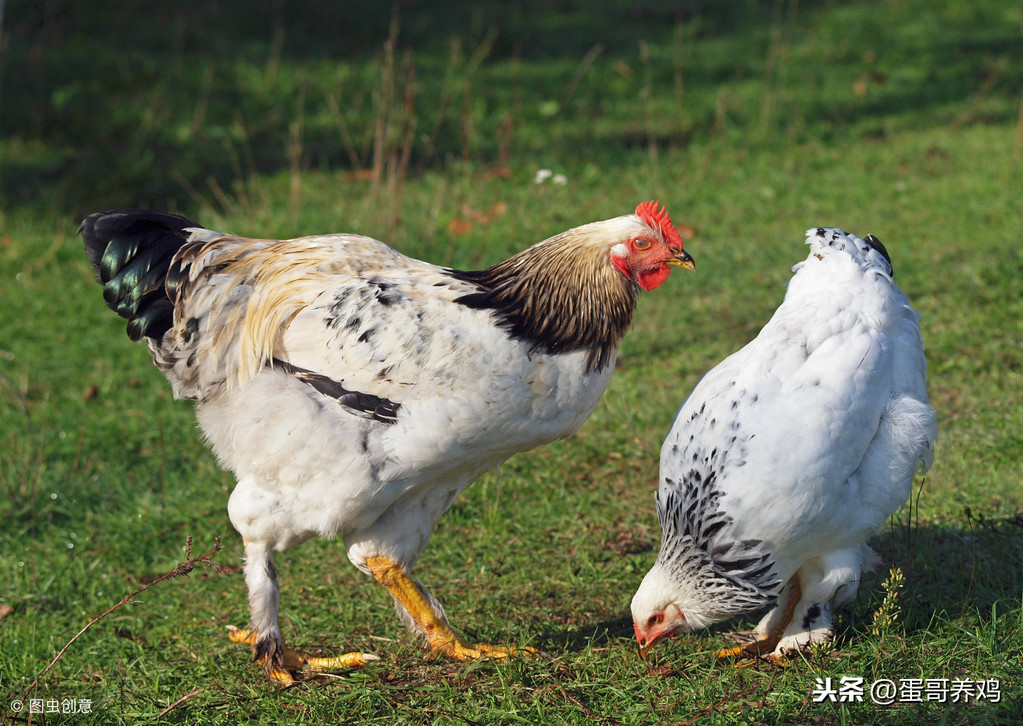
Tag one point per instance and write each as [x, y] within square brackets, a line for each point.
[130, 251]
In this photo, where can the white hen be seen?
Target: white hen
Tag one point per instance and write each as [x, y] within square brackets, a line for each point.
[790, 454]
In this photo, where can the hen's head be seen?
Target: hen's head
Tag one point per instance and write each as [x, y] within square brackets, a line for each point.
[704, 574]
[661, 608]
[649, 246]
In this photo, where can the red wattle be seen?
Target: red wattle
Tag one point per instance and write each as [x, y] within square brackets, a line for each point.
[649, 279]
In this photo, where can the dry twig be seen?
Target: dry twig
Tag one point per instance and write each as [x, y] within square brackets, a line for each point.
[183, 568]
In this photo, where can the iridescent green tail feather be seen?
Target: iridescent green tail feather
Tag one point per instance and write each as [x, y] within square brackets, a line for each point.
[131, 251]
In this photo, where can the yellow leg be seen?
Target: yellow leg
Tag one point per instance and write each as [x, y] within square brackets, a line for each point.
[764, 647]
[439, 634]
[280, 662]
[293, 661]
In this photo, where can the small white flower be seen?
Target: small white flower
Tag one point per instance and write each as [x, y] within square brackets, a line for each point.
[560, 179]
[542, 175]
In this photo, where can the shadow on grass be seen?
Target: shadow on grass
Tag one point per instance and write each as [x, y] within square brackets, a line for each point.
[603, 634]
[137, 102]
[977, 567]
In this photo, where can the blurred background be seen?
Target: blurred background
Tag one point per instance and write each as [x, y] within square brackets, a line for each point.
[187, 104]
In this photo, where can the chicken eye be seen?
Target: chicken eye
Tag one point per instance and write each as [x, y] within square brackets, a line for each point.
[657, 618]
[641, 243]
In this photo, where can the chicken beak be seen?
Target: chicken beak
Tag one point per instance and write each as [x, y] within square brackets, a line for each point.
[682, 259]
[644, 642]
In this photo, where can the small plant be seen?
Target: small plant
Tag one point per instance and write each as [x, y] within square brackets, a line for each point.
[888, 613]
[821, 649]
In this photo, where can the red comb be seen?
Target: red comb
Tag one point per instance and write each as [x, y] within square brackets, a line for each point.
[656, 216]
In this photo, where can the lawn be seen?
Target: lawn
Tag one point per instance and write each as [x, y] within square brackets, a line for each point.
[426, 129]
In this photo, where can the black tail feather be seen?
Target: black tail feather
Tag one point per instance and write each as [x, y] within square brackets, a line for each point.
[130, 251]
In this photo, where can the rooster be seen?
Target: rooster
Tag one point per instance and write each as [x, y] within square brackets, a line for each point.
[355, 391]
[789, 455]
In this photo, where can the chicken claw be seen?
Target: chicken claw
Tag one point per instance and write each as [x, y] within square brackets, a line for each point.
[757, 649]
[481, 651]
[757, 645]
[295, 661]
[430, 619]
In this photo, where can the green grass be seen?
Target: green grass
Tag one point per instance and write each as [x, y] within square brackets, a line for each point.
[752, 121]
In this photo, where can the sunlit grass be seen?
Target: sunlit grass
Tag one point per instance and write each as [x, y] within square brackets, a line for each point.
[103, 475]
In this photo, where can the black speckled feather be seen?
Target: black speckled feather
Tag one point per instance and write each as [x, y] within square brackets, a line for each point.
[361, 404]
[697, 544]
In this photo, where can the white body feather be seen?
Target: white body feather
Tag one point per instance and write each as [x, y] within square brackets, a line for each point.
[307, 467]
[382, 324]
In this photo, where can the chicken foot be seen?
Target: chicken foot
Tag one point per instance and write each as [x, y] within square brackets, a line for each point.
[281, 670]
[280, 662]
[429, 619]
[764, 643]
